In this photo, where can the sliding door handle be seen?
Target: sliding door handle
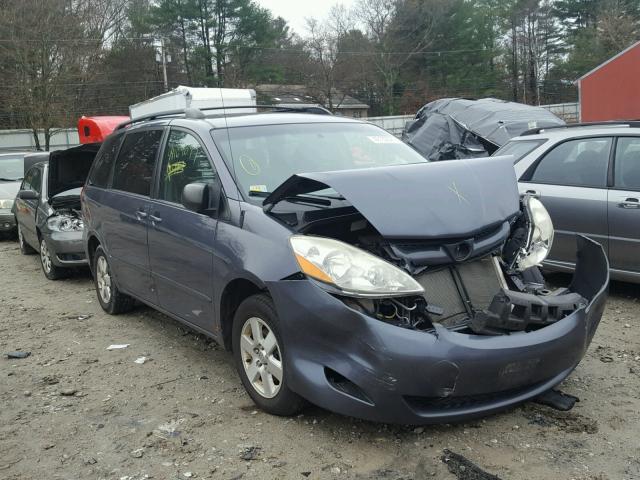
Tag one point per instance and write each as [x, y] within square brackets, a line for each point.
[630, 203]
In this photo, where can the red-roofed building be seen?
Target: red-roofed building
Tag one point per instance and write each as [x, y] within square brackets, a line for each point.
[611, 91]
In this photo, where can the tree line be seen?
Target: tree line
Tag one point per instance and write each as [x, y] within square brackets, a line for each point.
[60, 59]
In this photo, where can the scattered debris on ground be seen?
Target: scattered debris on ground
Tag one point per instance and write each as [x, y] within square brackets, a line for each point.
[184, 414]
[557, 399]
[465, 469]
[18, 354]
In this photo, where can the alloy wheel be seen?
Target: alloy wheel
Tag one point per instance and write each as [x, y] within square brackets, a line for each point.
[103, 279]
[45, 256]
[261, 357]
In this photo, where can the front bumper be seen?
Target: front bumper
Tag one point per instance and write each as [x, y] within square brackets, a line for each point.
[350, 363]
[7, 221]
[67, 248]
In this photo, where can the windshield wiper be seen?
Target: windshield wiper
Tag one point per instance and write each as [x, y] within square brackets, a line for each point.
[10, 179]
[309, 199]
[318, 195]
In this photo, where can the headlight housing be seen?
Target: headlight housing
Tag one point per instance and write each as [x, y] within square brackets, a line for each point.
[65, 223]
[540, 234]
[6, 204]
[352, 271]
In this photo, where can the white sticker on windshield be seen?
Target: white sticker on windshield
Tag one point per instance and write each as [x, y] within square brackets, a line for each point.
[258, 188]
[384, 139]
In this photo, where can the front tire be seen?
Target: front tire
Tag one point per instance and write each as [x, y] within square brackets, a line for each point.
[260, 357]
[25, 248]
[111, 299]
[51, 271]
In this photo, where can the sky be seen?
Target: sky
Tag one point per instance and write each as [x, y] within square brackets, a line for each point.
[295, 11]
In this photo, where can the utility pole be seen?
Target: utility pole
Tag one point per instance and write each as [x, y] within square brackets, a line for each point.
[163, 58]
[164, 65]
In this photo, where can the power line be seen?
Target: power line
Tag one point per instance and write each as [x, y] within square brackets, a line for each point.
[263, 47]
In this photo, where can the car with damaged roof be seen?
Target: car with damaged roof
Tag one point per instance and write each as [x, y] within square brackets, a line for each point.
[338, 265]
[47, 209]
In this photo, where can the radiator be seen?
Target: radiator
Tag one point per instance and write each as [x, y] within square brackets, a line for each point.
[461, 289]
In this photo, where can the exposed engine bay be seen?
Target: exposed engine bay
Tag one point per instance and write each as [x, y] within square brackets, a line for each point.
[66, 214]
[486, 284]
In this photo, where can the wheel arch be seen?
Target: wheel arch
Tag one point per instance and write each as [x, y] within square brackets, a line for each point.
[233, 294]
[92, 245]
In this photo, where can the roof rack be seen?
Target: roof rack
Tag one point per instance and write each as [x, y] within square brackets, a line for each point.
[612, 123]
[197, 113]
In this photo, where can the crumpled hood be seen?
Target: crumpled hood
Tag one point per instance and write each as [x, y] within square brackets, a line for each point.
[9, 190]
[421, 201]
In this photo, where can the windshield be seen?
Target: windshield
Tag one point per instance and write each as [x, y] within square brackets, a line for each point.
[518, 148]
[11, 168]
[262, 157]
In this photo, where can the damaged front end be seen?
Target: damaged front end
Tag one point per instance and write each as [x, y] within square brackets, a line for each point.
[473, 263]
[426, 304]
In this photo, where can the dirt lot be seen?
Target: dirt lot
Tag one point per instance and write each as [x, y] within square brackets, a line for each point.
[75, 410]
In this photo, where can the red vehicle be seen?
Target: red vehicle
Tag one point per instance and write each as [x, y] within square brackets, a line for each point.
[96, 129]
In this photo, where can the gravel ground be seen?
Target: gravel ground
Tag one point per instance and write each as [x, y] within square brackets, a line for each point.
[73, 409]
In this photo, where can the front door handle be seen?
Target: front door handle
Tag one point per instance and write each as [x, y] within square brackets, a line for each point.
[630, 203]
[155, 219]
[140, 215]
[533, 193]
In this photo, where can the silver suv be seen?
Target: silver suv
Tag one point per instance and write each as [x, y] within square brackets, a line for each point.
[588, 178]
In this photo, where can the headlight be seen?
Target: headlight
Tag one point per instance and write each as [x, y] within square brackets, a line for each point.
[540, 235]
[352, 271]
[6, 204]
[65, 223]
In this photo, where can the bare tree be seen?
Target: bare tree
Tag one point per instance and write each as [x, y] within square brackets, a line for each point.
[48, 52]
[400, 30]
[326, 62]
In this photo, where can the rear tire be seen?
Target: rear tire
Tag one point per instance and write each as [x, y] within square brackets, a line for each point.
[25, 248]
[111, 299]
[260, 357]
[50, 270]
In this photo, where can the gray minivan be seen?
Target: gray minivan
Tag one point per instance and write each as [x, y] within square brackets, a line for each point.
[337, 264]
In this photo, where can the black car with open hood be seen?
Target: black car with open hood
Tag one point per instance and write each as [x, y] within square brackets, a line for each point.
[47, 208]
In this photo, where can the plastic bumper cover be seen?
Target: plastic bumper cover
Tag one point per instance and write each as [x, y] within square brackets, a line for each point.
[390, 374]
[67, 248]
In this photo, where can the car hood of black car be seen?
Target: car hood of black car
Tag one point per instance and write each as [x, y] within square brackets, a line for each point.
[69, 168]
[447, 199]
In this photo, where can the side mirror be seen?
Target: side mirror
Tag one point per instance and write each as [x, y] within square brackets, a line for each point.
[202, 197]
[27, 195]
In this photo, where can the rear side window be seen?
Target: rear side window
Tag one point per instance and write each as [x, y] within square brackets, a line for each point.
[134, 167]
[33, 180]
[101, 170]
[627, 166]
[518, 149]
[582, 162]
